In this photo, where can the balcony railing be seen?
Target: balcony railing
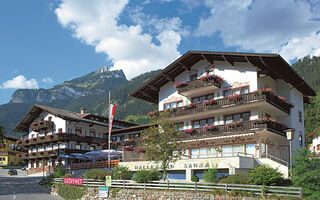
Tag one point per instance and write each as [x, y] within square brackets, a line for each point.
[91, 165]
[195, 84]
[231, 101]
[52, 153]
[58, 137]
[42, 125]
[234, 128]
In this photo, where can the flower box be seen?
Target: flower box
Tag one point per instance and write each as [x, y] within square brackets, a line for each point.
[209, 77]
[211, 128]
[189, 131]
[128, 148]
[266, 91]
[141, 150]
[282, 98]
[180, 84]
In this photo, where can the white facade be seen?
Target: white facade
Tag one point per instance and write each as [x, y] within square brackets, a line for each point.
[315, 146]
[235, 153]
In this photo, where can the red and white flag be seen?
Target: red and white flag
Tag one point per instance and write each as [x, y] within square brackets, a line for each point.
[112, 110]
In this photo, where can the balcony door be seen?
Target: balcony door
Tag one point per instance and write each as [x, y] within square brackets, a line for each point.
[250, 149]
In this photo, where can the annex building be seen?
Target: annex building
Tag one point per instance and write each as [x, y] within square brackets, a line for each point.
[51, 135]
[233, 110]
[8, 151]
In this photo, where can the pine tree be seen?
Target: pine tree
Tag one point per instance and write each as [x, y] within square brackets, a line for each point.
[306, 172]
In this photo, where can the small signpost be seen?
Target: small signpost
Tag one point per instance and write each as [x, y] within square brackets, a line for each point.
[73, 181]
[108, 181]
[103, 192]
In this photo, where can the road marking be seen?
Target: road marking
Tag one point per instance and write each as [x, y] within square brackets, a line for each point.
[14, 196]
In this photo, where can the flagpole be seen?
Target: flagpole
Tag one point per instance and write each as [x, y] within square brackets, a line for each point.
[109, 136]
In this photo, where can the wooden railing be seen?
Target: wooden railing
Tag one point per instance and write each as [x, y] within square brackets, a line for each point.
[279, 191]
[92, 165]
[191, 85]
[234, 128]
[51, 153]
[60, 136]
[231, 101]
[42, 125]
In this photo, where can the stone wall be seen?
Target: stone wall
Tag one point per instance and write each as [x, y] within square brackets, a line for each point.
[129, 194]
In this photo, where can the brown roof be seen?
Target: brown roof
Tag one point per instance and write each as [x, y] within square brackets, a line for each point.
[130, 129]
[272, 64]
[36, 110]
[11, 137]
[314, 132]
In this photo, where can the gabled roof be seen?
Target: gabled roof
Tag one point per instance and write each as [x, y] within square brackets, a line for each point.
[36, 110]
[11, 137]
[271, 64]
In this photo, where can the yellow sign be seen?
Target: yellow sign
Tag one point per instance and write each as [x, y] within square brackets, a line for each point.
[108, 181]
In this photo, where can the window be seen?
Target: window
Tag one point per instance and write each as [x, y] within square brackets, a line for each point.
[202, 98]
[78, 146]
[60, 130]
[318, 147]
[202, 123]
[194, 153]
[173, 105]
[203, 152]
[300, 116]
[91, 148]
[78, 131]
[237, 117]
[50, 118]
[236, 91]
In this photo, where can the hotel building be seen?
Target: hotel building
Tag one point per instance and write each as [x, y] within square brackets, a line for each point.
[51, 135]
[232, 110]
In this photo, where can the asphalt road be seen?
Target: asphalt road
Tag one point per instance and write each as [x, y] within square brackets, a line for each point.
[21, 187]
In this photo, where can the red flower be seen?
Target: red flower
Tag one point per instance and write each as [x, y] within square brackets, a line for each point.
[282, 98]
[180, 84]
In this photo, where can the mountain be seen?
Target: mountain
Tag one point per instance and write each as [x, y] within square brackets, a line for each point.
[89, 91]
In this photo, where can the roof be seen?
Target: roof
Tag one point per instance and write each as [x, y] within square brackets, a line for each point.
[271, 64]
[103, 118]
[314, 132]
[130, 129]
[10, 136]
[36, 110]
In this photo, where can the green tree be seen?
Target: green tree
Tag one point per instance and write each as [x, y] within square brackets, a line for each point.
[143, 176]
[121, 173]
[210, 175]
[235, 179]
[306, 172]
[2, 132]
[265, 175]
[195, 178]
[59, 172]
[161, 141]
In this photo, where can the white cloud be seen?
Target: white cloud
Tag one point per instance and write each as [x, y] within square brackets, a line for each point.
[47, 80]
[20, 82]
[264, 26]
[130, 48]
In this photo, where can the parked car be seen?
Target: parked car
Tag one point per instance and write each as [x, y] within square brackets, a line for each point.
[12, 172]
[24, 168]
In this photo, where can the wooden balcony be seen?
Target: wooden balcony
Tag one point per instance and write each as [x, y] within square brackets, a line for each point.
[234, 128]
[199, 86]
[54, 138]
[246, 101]
[42, 126]
[53, 153]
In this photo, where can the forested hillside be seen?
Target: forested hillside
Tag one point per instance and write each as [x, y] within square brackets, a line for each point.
[89, 91]
[309, 69]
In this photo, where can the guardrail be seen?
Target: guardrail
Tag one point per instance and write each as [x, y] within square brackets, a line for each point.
[207, 187]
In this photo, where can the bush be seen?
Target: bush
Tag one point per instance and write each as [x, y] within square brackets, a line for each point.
[195, 178]
[59, 172]
[67, 176]
[114, 191]
[143, 176]
[210, 175]
[121, 173]
[71, 191]
[265, 175]
[96, 174]
[235, 179]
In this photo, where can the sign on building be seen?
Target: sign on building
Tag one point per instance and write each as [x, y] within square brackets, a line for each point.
[108, 181]
[73, 181]
[103, 192]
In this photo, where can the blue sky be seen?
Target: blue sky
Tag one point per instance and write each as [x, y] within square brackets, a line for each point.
[43, 43]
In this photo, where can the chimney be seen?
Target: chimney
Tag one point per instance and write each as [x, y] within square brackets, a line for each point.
[82, 110]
